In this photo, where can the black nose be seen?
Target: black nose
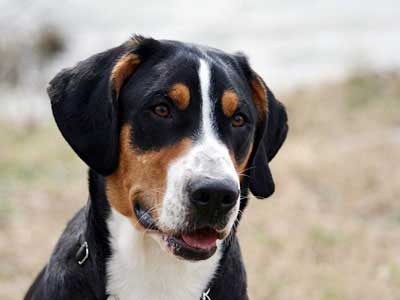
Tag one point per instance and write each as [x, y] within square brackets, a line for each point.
[213, 197]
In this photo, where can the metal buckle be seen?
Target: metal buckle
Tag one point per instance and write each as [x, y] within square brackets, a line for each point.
[205, 295]
[85, 247]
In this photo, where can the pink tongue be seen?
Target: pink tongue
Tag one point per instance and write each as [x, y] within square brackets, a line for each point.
[202, 239]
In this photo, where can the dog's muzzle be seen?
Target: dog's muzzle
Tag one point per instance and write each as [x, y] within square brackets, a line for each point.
[211, 203]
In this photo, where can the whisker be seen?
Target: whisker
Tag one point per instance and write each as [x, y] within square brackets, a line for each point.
[151, 209]
[249, 168]
[245, 175]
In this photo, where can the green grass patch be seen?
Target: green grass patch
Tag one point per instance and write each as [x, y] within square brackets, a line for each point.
[36, 155]
[366, 88]
[325, 237]
[7, 210]
[331, 293]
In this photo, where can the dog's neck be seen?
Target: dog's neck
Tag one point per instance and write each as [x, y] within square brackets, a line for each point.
[136, 266]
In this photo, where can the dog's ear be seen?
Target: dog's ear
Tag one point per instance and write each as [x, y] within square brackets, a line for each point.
[271, 132]
[84, 100]
[270, 136]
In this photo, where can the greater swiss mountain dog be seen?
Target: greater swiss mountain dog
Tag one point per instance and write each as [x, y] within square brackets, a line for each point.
[175, 136]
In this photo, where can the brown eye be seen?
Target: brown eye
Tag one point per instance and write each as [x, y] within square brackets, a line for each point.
[161, 110]
[238, 120]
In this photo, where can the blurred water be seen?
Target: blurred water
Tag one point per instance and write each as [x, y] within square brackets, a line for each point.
[289, 42]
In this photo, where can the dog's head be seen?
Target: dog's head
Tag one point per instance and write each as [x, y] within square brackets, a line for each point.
[180, 132]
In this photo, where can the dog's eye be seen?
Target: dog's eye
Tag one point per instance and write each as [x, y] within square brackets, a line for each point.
[238, 120]
[161, 110]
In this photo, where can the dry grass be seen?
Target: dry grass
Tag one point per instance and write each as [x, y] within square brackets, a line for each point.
[330, 232]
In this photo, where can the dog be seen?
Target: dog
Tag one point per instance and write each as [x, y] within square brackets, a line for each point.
[175, 136]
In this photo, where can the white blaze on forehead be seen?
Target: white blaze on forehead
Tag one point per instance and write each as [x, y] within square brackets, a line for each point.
[207, 128]
[214, 156]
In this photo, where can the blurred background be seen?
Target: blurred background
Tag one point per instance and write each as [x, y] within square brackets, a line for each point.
[331, 231]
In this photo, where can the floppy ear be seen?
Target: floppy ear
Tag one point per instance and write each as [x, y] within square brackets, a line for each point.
[270, 133]
[84, 100]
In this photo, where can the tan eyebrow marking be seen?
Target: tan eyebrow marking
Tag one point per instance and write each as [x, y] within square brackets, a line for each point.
[180, 94]
[230, 102]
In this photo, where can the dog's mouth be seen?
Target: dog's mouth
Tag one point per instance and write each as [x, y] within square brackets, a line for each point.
[199, 244]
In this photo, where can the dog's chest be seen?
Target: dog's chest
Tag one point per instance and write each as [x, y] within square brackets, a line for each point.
[139, 269]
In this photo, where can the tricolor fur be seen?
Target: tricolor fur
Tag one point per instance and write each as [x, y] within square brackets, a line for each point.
[175, 135]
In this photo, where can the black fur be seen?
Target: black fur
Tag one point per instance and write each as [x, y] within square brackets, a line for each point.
[90, 116]
[62, 277]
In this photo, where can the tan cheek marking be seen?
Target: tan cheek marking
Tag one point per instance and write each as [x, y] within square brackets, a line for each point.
[241, 167]
[141, 176]
[230, 101]
[123, 69]
[180, 94]
[259, 98]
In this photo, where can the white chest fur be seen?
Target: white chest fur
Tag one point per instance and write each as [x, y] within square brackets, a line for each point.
[140, 270]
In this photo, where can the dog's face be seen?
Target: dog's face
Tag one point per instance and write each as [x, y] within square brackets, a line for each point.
[179, 131]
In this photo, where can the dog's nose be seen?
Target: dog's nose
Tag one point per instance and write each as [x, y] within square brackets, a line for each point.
[213, 197]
